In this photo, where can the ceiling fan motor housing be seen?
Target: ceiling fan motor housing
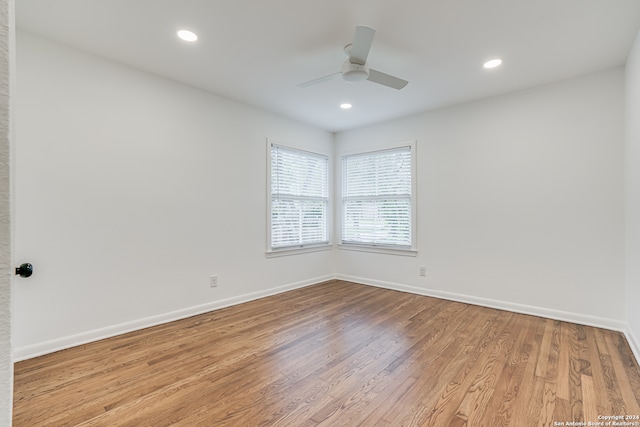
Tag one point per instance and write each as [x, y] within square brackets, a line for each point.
[354, 72]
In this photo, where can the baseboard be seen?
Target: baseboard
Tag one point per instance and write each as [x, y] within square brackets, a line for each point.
[566, 316]
[35, 350]
[634, 343]
[31, 351]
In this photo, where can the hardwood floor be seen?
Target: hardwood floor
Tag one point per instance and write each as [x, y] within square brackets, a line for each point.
[337, 354]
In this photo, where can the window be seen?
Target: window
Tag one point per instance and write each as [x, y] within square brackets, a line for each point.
[377, 198]
[299, 199]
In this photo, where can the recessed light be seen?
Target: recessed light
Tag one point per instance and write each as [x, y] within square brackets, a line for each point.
[493, 63]
[188, 36]
[345, 106]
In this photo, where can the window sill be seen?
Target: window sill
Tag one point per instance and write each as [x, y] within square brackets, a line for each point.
[379, 249]
[295, 251]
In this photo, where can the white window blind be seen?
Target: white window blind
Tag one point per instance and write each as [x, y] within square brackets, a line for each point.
[299, 198]
[377, 198]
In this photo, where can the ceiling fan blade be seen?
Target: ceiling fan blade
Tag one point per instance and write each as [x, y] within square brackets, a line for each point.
[386, 79]
[318, 80]
[361, 45]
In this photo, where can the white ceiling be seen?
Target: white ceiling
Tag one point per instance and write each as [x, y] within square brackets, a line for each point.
[257, 51]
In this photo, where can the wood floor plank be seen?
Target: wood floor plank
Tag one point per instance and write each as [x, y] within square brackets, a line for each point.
[507, 389]
[548, 412]
[336, 354]
[545, 348]
[589, 403]
[601, 397]
[476, 399]
[444, 410]
[563, 378]
[526, 408]
[552, 362]
[629, 395]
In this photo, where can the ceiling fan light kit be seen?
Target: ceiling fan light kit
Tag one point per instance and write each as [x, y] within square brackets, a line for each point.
[354, 72]
[355, 68]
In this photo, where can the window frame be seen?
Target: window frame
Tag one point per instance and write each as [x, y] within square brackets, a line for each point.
[391, 249]
[301, 248]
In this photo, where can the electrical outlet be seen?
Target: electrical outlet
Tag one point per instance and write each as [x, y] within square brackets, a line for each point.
[423, 271]
[213, 281]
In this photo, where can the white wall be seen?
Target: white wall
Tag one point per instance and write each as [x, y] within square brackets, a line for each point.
[131, 191]
[520, 201]
[632, 181]
[6, 261]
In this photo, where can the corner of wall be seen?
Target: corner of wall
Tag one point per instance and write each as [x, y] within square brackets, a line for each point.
[632, 196]
[7, 84]
[634, 343]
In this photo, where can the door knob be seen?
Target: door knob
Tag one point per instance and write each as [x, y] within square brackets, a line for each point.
[25, 270]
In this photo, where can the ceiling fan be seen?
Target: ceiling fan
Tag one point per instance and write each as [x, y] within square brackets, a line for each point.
[355, 68]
